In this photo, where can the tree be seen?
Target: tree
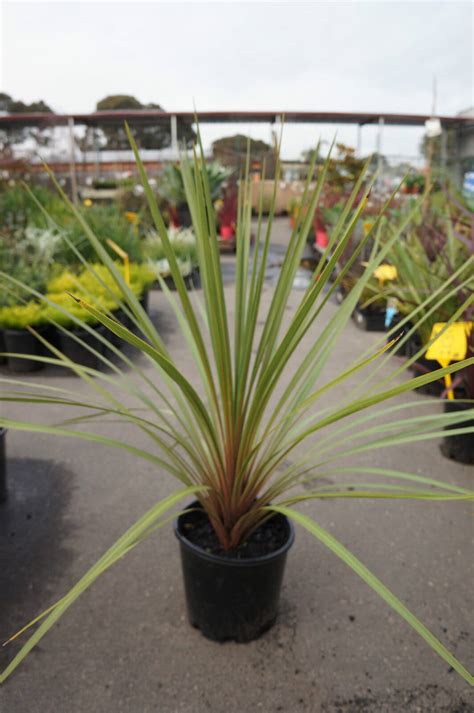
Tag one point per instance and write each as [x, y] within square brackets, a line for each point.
[232, 151]
[115, 102]
[344, 166]
[153, 136]
[10, 137]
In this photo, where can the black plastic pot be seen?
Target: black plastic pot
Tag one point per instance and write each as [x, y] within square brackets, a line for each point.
[145, 301]
[184, 215]
[369, 320]
[3, 465]
[3, 360]
[20, 341]
[228, 598]
[423, 366]
[193, 280]
[77, 352]
[460, 447]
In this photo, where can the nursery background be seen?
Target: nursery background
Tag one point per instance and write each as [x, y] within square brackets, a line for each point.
[226, 227]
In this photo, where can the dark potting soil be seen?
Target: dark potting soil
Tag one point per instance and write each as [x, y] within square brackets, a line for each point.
[267, 538]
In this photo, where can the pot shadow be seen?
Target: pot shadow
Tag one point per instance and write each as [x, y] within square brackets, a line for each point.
[33, 556]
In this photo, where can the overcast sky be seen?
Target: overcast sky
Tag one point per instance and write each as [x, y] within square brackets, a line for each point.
[320, 56]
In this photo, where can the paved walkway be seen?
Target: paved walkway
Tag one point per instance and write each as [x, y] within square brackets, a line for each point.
[126, 645]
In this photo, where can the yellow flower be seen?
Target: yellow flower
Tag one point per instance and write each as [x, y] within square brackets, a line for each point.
[132, 217]
[87, 202]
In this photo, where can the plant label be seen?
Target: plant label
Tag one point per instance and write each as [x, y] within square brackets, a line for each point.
[449, 346]
[126, 262]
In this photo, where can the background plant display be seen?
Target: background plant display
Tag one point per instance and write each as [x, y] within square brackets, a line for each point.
[227, 440]
[435, 255]
[56, 321]
[43, 246]
[172, 188]
[40, 238]
[183, 242]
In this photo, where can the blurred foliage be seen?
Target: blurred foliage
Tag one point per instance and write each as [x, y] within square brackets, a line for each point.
[344, 167]
[22, 316]
[171, 186]
[232, 151]
[108, 224]
[94, 284]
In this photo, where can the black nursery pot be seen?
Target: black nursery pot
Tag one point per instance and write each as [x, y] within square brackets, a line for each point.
[145, 301]
[460, 447]
[369, 320]
[184, 215]
[191, 281]
[20, 341]
[406, 349]
[228, 598]
[3, 359]
[3, 465]
[423, 366]
[78, 353]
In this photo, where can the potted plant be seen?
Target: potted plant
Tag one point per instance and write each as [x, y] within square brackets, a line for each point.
[369, 313]
[81, 337]
[172, 189]
[183, 242]
[227, 440]
[227, 215]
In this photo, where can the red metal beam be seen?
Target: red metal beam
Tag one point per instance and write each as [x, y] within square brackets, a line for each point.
[161, 117]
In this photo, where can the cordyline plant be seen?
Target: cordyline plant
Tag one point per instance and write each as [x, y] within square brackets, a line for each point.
[227, 440]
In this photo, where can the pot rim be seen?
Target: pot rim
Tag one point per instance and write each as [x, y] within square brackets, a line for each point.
[231, 562]
[80, 330]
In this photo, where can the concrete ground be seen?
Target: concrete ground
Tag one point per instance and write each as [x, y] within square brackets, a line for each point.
[126, 646]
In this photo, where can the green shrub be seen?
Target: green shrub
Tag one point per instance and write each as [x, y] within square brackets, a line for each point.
[108, 223]
[100, 281]
[142, 278]
[65, 281]
[171, 186]
[67, 309]
[30, 314]
[182, 240]
[27, 255]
